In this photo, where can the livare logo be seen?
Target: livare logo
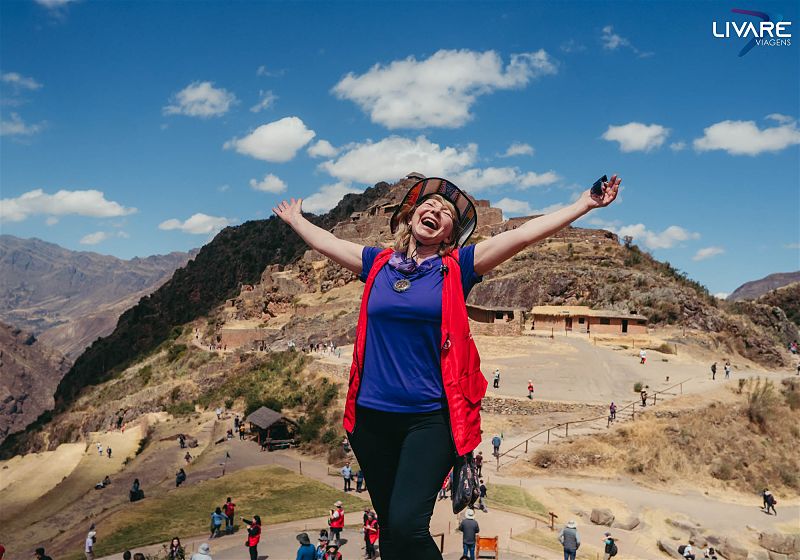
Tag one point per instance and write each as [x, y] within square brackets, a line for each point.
[771, 31]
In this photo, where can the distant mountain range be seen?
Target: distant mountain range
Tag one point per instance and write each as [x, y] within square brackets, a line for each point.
[68, 299]
[757, 288]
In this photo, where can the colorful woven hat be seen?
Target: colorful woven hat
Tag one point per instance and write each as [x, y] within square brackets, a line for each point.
[467, 219]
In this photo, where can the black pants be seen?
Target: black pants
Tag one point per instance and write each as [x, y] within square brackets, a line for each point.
[405, 458]
[253, 552]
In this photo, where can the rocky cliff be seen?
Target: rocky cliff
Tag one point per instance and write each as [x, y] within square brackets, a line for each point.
[29, 373]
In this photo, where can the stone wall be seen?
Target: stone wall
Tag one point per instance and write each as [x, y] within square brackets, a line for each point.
[500, 405]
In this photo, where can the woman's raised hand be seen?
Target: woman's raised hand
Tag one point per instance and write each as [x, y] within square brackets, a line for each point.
[289, 212]
[610, 190]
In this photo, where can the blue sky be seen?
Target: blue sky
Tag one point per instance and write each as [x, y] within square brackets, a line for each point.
[134, 128]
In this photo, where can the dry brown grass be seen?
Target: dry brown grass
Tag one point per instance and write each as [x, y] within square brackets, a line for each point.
[746, 445]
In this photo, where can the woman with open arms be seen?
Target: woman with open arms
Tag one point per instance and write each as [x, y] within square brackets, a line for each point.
[413, 402]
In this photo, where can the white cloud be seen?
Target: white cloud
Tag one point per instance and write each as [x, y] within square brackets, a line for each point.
[223, 188]
[322, 148]
[277, 141]
[782, 119]
[270, 183]
[264, 71]
[17, 127]
[51, 221]
[479, 179]
[94, 238]
[327, 197]
[197, 223]
[722, 295]
[438, 91]
[512, 206]
[53, 4]
[656, 240]
[792, 246]
[572, 46]
[518, 149]
[707, 253]
[523, 208]
[745, 138]
[613, 41]
[123, 234]
[394, 157]
[18, 81]
[677, 146]
[532, 179]
[200, 99]
[266, 100]
[637, 137]
[90, 203]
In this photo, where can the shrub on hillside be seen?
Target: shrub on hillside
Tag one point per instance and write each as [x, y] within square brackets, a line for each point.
[762, 402]
[638, 386]
[175, 351]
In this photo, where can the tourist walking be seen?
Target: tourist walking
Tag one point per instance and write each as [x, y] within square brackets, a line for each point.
[306, 550]
[88, 549]
[176, 551]
[40, 555]
[610, 548]
[643, 396]
[360, 481]
[253, 535]
[469, 529]
[570, 540]
[482, 497]
[336, 521]
[180, 477]
[713, 371]
[769, 502]
[496, 379]
[642, 356]
[108, 452]
[217, 519]
[203, 553]
[371, 533]
[496, 441]
[229, 509]
[612, 411]
[530, 388]
[727, 369]
[479, 462]
[413, 402]
[347, 475]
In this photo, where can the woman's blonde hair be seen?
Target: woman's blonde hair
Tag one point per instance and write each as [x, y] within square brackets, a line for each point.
[402, 237]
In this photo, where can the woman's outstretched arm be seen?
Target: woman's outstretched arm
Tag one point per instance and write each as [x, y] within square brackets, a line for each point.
[345, 253]
[491, 252]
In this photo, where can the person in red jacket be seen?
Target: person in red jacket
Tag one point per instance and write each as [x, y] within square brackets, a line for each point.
[336, 521]
[253, 535]
[413, 402]
[371, 533]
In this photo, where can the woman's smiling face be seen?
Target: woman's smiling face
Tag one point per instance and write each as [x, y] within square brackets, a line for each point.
[432, 222]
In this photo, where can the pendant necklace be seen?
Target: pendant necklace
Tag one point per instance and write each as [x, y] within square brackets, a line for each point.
[402, 285]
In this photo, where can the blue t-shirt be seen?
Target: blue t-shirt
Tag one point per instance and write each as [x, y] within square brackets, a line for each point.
[402, 359]
[306, 552]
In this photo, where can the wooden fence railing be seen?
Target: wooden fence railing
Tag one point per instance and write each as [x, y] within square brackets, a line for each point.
[565, 425]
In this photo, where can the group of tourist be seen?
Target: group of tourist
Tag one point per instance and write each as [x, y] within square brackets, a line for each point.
[727, 370]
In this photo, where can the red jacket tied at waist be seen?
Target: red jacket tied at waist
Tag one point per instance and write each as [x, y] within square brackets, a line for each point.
[464, 384]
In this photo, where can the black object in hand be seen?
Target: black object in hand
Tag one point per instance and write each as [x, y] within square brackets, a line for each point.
[597, 188]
